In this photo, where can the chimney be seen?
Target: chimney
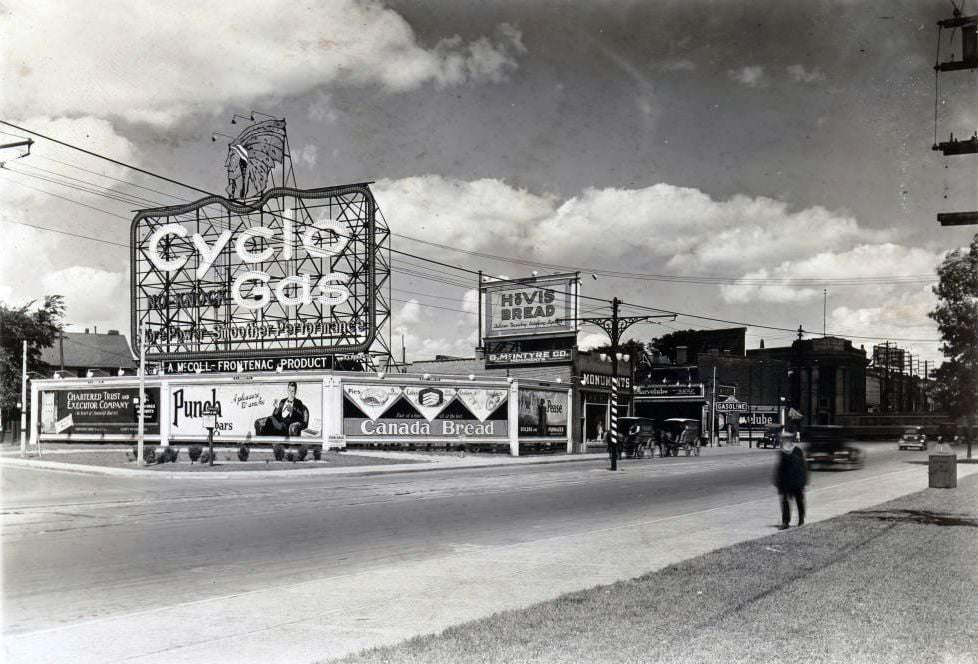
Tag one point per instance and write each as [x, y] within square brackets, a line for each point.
[86, 330]
[113, 332]
[681, 354]
[762, 343]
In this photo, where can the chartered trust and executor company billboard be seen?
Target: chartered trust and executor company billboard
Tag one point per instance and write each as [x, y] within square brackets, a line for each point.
[530, 307]
[288, 274]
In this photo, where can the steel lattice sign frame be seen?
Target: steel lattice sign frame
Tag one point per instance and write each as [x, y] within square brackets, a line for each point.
[290, 274]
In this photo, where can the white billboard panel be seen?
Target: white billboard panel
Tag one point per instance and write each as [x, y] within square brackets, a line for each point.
[530, 307]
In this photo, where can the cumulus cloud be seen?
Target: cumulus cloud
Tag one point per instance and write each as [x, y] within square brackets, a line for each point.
[866, 261]
[802, 75]
[92, 296]
[35, 262]
[149, 64]
[676, 231]
[751, 76]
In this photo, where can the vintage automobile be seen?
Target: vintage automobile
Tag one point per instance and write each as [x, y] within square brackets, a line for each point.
[913, 437]
[638, 436]
[835, 455]
[772, 436]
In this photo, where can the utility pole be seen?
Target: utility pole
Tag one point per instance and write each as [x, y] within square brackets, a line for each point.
[23, 404]
[825, 299]
[968, 27]
[142, 394]
[615, 325]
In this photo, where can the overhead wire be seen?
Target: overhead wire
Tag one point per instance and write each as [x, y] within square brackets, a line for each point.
[441, 263]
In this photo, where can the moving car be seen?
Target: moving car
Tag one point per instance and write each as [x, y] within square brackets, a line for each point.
[913, 437]
[772, 436]
[835, 455]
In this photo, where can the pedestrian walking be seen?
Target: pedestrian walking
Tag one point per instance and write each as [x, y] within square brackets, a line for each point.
[790, 478]
[612, 449]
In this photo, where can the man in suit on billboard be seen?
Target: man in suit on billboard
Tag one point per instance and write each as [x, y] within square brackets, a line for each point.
[289, 417]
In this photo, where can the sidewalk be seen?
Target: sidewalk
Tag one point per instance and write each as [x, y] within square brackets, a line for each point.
[334, 616]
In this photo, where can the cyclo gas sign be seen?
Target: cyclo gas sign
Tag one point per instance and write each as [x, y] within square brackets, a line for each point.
[290, 273]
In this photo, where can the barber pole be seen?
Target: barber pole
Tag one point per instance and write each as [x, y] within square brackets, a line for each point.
[614, 409]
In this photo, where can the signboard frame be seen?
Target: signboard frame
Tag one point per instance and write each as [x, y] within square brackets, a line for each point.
[547, 291]
[186, 301]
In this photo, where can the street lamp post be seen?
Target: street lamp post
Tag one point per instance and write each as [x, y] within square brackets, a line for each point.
[615, 326]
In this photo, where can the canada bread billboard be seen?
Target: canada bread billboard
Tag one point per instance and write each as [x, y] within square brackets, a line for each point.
[373, 410]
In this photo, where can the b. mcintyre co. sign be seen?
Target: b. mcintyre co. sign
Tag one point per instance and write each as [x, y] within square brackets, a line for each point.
[289, 274]
[530, 307]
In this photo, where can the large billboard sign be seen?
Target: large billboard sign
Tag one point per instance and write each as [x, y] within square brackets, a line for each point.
[112, 410]
[289, 274]
[248, 410]
[534, 306]
[542, 413]
[424, 411]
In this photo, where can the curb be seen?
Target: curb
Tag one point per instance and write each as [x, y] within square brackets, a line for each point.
[82, 469]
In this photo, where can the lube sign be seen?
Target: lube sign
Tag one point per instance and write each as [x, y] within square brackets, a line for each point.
[287, 275]
[292, 290]
[534, 306]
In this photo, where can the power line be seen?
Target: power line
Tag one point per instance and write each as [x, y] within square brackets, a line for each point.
[689, 279]
[430, 260]
[110, 159]
[55, 230]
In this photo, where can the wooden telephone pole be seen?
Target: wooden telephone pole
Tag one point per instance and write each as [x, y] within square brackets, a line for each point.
[968, 29]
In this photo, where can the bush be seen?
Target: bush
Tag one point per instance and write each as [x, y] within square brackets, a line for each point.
[194, 452]
[290, 456]
[302, 452]
[172, 454]
[317, 453]
[149, 456]
[278, 451]
[161, 455]
[130, 455]
[243, 453]
[205, 456]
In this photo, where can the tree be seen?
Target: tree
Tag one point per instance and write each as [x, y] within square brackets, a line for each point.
[40, 328]
[667, 343]
[956, 384]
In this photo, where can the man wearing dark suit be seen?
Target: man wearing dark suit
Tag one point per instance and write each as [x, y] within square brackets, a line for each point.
[289, 417]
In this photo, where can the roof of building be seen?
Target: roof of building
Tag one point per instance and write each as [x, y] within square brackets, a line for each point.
[87, 351]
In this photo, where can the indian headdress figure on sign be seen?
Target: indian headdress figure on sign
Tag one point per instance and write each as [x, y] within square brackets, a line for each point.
[252, 156]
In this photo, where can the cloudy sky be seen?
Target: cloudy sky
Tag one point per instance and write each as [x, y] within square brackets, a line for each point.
[729, 160]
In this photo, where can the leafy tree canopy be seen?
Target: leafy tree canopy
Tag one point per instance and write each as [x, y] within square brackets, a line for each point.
[956, 316]
[40, 327]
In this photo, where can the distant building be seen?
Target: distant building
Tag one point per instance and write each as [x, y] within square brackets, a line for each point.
[78, 353]
[826, 377]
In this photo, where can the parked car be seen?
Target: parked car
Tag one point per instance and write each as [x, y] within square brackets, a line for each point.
[913, 437]
[835, 455]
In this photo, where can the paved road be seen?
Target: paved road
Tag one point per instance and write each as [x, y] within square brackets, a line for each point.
[77, 547]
